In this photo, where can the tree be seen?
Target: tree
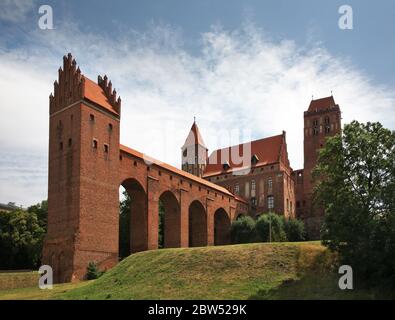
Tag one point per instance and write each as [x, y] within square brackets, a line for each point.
[92, 271]
[356, 187]
[243, 230]
[294, 229]
[41, 211]
[21, 238]
[270, 221]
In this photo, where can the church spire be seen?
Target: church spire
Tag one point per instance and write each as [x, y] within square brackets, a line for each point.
[194, 152]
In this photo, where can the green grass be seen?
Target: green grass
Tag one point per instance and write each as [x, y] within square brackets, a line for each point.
[249, 271]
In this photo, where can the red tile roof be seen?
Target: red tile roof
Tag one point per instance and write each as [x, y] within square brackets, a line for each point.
[194, 136]
[321, 104]
[267, 151]
[94, 93]
[168, 167]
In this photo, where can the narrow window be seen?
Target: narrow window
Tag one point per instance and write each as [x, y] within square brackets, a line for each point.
[110, 127]
[70, 142]
[237, 189]
[270, 202]
[94, 144]
[270, 184]
[253, 186]
[92, 118]
[135, 163]
[315, 127]
[106, 147]
[61, 146]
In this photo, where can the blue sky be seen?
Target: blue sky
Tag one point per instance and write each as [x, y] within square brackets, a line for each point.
[245, 69]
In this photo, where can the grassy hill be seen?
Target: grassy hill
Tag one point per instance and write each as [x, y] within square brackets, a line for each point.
[249, 271]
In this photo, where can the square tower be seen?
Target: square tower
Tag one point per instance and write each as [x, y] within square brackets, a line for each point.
[321, 120]
[83, 196]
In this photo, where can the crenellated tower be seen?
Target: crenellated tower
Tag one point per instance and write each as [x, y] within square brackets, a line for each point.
[84, 121]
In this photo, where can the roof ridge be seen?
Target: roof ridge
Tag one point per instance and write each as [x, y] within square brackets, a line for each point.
[252, 141]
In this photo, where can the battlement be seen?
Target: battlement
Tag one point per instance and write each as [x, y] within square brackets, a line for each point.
[110, 93]
[69, 87]
[73, 86]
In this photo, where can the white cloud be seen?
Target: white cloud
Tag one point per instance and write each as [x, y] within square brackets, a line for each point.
[15, 10]
[241, 81]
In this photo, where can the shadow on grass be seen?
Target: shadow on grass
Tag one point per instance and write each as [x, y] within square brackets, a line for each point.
[318, 282]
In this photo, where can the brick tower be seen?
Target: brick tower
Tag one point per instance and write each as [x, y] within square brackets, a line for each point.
[321, 120]
[194, 152]
[83, 196]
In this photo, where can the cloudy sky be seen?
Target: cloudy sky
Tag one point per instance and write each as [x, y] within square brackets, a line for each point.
[245, 69]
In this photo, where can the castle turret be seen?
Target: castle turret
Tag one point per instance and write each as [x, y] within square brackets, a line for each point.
[194, 152]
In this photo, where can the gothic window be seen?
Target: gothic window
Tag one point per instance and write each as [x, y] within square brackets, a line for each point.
[253, 186]
[185, 153]
[326, 120]
[253, 202]
[315, 127]
[327, 125]
[247, 190]
[270, 202]
[270, 184]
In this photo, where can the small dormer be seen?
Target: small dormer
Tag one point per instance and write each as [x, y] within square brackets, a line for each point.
[254, 159]
[226, 166]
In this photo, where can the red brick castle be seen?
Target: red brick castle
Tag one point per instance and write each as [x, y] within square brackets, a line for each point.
[87, 164]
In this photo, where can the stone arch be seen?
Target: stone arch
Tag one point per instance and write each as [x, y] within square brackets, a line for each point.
[239, 216]
[138, 226]
[197, 220]
[171, 220]
[221, 227]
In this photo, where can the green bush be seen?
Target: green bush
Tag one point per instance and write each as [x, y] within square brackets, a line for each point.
[93, 271]
[277, 228]
[294, 229]
[243, 230]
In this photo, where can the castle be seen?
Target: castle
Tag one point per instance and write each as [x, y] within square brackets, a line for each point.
[87, 165]
[264, 177]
